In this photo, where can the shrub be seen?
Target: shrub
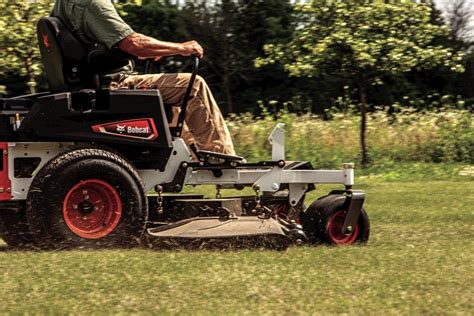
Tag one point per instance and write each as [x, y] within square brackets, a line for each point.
[409, 135]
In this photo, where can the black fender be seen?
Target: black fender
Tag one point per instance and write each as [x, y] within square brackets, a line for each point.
[353, 198]
[350, 200]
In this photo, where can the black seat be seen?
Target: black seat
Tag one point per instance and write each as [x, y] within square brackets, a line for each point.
[64, 57]
[69, 66]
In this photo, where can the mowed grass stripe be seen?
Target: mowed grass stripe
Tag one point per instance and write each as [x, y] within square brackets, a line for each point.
[419, 260]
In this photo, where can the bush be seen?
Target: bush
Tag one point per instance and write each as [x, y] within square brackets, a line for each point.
[443, 135]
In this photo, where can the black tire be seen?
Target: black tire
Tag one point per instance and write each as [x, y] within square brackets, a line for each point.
[14, 229]
[323, 215]
[87, 198]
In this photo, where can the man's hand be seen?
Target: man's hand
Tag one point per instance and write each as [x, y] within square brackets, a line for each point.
[192, 48]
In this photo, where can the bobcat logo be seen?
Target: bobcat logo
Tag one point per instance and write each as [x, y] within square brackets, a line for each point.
[141, 129]
[121, 129]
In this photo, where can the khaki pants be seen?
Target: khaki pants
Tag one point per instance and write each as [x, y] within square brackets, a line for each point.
[204, 125]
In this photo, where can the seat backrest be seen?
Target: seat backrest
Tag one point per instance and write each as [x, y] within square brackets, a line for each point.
[69, 66]
[64, 57]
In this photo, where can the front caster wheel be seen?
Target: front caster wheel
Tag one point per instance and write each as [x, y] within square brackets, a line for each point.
[324, 218]
[87, 198]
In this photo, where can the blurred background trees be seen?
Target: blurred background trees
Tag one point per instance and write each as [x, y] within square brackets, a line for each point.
[361, 44]
[20, 66]
[234, 33]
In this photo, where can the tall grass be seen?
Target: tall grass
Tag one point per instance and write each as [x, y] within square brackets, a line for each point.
[444, 135]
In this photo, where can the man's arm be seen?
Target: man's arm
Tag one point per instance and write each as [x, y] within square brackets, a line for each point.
[106, 26]
[144, 46]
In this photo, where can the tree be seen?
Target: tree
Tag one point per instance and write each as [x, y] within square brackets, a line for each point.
[158, 19]
[362, 42]
[154, 18]
[233, 33]
[19, 51]
[460, 17]
[260, 22]
[215, 27]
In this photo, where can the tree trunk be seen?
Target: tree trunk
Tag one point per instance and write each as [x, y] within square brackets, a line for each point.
[363, 125]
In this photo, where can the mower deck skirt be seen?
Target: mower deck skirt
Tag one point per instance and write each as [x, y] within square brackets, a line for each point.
[216, 227]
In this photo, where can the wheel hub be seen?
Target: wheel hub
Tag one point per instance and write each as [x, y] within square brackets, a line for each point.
[86, 208]
[335, 224]
[92, 209]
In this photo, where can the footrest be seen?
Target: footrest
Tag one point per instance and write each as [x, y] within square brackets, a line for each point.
[210, 156]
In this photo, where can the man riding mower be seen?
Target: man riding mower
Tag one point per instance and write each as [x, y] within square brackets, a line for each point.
[79, 162]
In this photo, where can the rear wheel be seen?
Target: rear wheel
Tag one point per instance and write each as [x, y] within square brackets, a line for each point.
[87, 197]
[14, 229]
[324, 218]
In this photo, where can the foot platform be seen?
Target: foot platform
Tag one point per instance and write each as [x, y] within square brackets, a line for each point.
[218, 158]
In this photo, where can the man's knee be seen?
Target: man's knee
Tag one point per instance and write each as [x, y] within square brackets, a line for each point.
[200, 85]
[187, 77]
[199, 81]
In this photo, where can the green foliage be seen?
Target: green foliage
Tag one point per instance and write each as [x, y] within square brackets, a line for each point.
[233, 34]
[154, 18]
[19, 51]
[362, 40]
[405, 136]
[391, 171]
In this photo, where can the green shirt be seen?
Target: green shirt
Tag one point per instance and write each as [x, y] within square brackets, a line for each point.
[95, 22]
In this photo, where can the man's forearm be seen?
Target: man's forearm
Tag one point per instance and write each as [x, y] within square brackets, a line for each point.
[144, 46]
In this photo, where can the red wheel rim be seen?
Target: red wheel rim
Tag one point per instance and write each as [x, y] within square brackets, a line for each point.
[335, 223]
[92, 209]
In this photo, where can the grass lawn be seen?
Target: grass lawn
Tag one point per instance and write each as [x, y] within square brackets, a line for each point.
[419, 260]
